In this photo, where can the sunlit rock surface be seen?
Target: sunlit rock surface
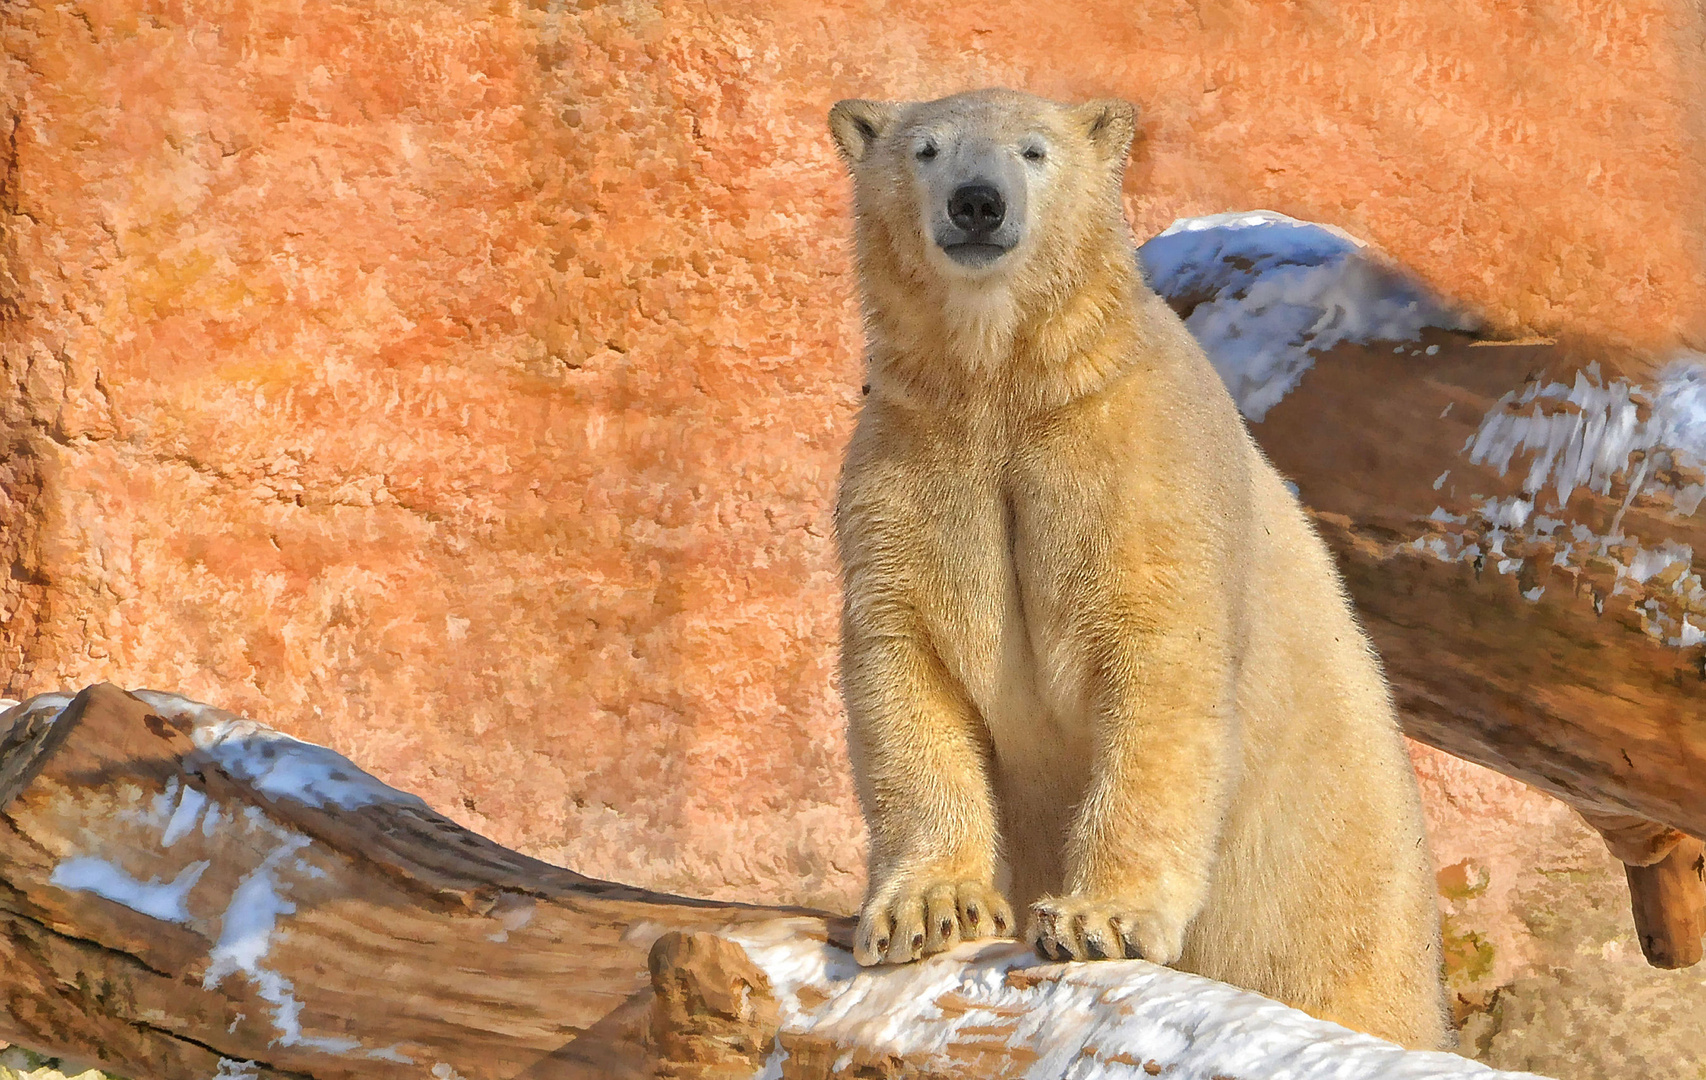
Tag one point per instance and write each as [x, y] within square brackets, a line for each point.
[463, 386]
[1543, 966]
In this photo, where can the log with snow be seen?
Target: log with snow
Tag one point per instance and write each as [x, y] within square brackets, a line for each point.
[188, 894]
[1265, 293]
[1517, 522]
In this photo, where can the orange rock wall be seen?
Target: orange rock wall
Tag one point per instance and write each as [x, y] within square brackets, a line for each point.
[463, 385]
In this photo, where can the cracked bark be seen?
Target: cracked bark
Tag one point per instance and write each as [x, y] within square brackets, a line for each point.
[385, 941]
[1559, 688]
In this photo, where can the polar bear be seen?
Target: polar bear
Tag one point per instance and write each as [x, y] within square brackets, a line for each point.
[1097, 665]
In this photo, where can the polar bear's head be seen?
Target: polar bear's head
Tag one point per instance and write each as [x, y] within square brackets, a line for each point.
[980, 200]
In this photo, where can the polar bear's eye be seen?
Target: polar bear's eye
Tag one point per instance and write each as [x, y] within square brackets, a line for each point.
[926, 152]
[1034, 153]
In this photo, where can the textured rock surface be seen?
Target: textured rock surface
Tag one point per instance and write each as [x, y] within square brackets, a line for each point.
[1541, 953]
[471, 379]
[16, 1063]
[462, 386]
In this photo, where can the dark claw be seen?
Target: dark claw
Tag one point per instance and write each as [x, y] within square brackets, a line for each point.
[882, 945]
[947, 927]
[1000, 925]
[917, 942]
[1132, 952]
[1094, 947]
[971, 914]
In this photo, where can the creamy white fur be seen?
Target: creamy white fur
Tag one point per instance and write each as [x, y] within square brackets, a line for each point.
[1088, 632]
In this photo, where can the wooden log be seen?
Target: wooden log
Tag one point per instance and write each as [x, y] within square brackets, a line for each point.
[184, 893]
[1667, 888]
[1548, 629]
[713, 1016]
[1669, 914]
[187, 894]
[991, 1010]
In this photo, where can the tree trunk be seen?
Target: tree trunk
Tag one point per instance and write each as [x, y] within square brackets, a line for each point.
[1512, 524]
[185, 894]
[183, 891]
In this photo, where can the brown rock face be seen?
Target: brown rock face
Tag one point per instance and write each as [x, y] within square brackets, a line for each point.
[463, 385]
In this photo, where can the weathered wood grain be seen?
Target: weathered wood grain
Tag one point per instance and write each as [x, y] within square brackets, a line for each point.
[185, 894]
[1669, 916]
[1552, 671]
[323, 926]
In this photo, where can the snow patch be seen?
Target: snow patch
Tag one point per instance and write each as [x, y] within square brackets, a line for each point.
[166, 901]
[1085, 1021]
[1585, 433]
[390, 1053]
[773, 1064]
[275, 764]
[246, 933]
[184, 815]
[1620, 440]
[42, 702]
[1263, 293]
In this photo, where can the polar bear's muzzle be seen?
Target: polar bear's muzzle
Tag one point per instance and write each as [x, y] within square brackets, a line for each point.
[976, 205]
[977, 211]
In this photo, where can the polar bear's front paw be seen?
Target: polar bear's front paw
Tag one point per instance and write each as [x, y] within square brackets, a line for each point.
[1083, 928]
[925, 917]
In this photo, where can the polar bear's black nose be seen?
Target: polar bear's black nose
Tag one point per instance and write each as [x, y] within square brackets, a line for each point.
[977, 208]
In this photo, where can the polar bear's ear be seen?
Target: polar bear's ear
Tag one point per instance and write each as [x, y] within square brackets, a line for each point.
[857, 124]
[1110, 124]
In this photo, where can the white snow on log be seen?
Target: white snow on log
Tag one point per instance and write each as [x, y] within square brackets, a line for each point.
[247, 929]
[1618, 439]
[156, 899]
[1095, 1021]
[185, 813]
[390, 1053]
[1264, 293]
[247, 925]
[251, 922]
[41, 703]
[1584, 434]
[273, 763]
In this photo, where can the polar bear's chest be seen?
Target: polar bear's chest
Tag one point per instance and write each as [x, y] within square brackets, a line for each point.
[1012, 655]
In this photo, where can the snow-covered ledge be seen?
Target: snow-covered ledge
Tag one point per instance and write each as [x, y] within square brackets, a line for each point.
[993, 1009]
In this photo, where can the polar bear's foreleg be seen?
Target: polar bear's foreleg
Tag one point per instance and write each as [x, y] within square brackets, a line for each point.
[920, 759]
[1143, 843]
